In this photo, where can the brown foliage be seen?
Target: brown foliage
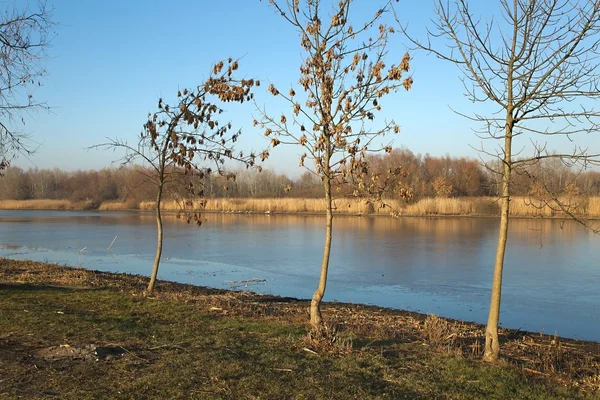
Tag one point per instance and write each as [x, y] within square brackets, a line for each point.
[343, 79]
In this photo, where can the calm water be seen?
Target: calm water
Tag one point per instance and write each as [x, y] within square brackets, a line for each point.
[441, 266]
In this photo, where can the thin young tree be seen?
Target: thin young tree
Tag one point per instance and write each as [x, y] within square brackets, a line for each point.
[25, 34]
[535, 66]
[342, 81]
[178, 142]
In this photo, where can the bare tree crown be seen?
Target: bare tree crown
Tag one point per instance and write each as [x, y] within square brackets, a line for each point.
[538, 61]
[25, 34]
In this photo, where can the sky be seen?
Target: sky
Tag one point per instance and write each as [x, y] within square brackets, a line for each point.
[110, 61]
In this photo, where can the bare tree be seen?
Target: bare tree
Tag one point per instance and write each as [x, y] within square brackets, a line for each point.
[343, 79]
[25, 34]
[178, 140]
[536, 64]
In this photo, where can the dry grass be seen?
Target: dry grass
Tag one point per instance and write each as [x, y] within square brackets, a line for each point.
[593, 206]
[580, 206]
[278, 205]
[586, 207]
[44, 204]
[524, 206]
[453, 206]
[520, 206]
[118, 205]
[438, 331]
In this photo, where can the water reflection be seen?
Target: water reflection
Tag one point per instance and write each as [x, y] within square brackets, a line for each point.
[441, 265]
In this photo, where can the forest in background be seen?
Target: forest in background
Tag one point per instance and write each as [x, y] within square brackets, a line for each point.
[425, 175]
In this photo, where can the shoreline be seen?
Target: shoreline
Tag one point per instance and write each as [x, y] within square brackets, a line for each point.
[138, 283]
[173, 286]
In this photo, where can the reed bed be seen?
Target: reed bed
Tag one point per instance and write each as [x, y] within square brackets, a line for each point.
[585, 207]
[453, 206]
[525, 206]
[277, 205]
[593, 206]
[520, 206]
[44, 204]
[115, 205]
[530, 207]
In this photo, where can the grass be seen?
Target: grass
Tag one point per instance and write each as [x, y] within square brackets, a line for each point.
[188, 342]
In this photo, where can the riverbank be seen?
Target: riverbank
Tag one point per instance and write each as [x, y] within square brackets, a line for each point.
[585, 207]
[74, 333]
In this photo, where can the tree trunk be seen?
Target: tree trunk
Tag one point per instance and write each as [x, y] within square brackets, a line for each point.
[159, 244]
[492, 346]
[316, 321]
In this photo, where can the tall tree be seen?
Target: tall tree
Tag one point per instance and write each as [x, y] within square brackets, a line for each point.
[179, 139]
[25, 34]
[536, 65]
[343, 78]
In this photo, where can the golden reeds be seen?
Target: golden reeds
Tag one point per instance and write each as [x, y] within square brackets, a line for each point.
[588, 207]
[115, 205]
[43, 204]
[275, 205]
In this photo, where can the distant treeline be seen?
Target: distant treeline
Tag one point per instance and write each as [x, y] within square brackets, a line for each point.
[427, 176]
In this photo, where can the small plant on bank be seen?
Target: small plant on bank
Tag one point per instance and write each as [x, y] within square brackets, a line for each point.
[438, 332]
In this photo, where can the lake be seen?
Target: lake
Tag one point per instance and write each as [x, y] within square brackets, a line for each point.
[430, 265]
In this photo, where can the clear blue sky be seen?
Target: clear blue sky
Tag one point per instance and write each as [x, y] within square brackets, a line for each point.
[112, 60]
